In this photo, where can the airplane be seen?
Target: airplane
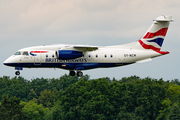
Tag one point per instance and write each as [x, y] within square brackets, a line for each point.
[77, 58]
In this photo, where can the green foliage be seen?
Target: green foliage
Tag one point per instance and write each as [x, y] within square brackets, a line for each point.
[11, 109]
[129, 79]
[32, 94]
[175, 81]
[48, 98]
[174, 93]
[70, 97]
[105, 99]
[28, 90]
[53, 113]
[16, 86]
[34, 111]
[174, 113]
[166, 105]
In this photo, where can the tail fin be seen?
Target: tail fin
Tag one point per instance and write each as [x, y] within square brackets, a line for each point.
[154, 37]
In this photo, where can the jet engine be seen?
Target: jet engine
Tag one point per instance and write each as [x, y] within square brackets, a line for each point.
[68, 54]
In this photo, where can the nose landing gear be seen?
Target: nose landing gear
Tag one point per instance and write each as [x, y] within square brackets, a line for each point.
[17, 73]
[18, 68]
[79, 73]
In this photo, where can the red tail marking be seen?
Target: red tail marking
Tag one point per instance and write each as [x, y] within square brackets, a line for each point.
[163, 52]
[145, 46]
[161, 32]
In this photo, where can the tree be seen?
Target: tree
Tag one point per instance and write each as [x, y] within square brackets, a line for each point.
[174, 113]
[165, 111]
[173, 93]
[34, 111]
[48, 98]
[11, 109]
[134, 98]
[67, 80]
[82, 98]
[16, 86]
[32, 94]
[175, 81]
[39, 84]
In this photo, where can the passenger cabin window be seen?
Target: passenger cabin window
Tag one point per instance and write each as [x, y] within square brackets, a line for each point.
[25, 53]
[18, 53]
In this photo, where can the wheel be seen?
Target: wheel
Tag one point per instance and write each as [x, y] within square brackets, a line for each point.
[71, 73]
[17, 73]
[79, 73]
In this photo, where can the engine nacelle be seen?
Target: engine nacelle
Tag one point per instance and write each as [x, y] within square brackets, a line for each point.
[68, 54]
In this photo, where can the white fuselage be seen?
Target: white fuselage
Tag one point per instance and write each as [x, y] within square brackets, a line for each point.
[103, 57]
[83, 57]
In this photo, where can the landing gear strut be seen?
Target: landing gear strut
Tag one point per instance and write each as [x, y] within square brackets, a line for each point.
[17, 73]
[72, 73]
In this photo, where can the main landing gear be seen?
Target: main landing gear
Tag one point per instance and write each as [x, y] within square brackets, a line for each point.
[17, 73]
[79, 73]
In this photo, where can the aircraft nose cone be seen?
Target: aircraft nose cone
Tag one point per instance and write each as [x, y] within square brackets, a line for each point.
[8, 61]
[5, 62]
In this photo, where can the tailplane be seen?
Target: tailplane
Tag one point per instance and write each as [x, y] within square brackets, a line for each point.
[154, 37]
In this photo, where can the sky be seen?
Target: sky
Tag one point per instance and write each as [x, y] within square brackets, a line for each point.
[25, 23]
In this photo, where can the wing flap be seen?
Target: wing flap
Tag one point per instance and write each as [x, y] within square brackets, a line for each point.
[86, 48]
[82, 48]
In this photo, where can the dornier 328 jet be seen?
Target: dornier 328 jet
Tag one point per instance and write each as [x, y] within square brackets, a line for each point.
[84, 57]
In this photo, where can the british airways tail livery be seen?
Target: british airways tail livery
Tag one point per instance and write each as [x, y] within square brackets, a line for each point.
[84, 57]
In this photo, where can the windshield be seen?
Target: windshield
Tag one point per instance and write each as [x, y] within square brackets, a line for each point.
[18, 53]
[25, 53]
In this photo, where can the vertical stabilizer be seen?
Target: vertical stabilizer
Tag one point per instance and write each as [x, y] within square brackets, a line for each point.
[154, 37]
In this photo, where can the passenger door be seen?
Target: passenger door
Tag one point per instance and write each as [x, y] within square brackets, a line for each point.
[37, 58]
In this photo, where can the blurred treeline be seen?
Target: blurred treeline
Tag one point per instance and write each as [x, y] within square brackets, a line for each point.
[74, 98]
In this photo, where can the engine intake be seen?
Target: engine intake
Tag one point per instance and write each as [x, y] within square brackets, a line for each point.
[68, 54]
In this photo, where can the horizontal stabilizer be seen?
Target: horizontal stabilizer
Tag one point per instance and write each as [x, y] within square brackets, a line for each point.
[164, 18]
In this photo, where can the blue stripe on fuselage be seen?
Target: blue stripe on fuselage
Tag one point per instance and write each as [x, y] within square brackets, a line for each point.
[68, 66]
[32, 54]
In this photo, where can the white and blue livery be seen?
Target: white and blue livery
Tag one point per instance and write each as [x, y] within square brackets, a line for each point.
[77, 58]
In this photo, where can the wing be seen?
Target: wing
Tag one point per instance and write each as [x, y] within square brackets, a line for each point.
[85, 48]
[82, 48]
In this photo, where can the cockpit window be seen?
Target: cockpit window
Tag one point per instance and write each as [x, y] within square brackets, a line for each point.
[18, 53]
[25, 53]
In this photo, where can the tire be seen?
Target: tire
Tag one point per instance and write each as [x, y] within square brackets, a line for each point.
[17, 73]
[72, 73]
[79, 74]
